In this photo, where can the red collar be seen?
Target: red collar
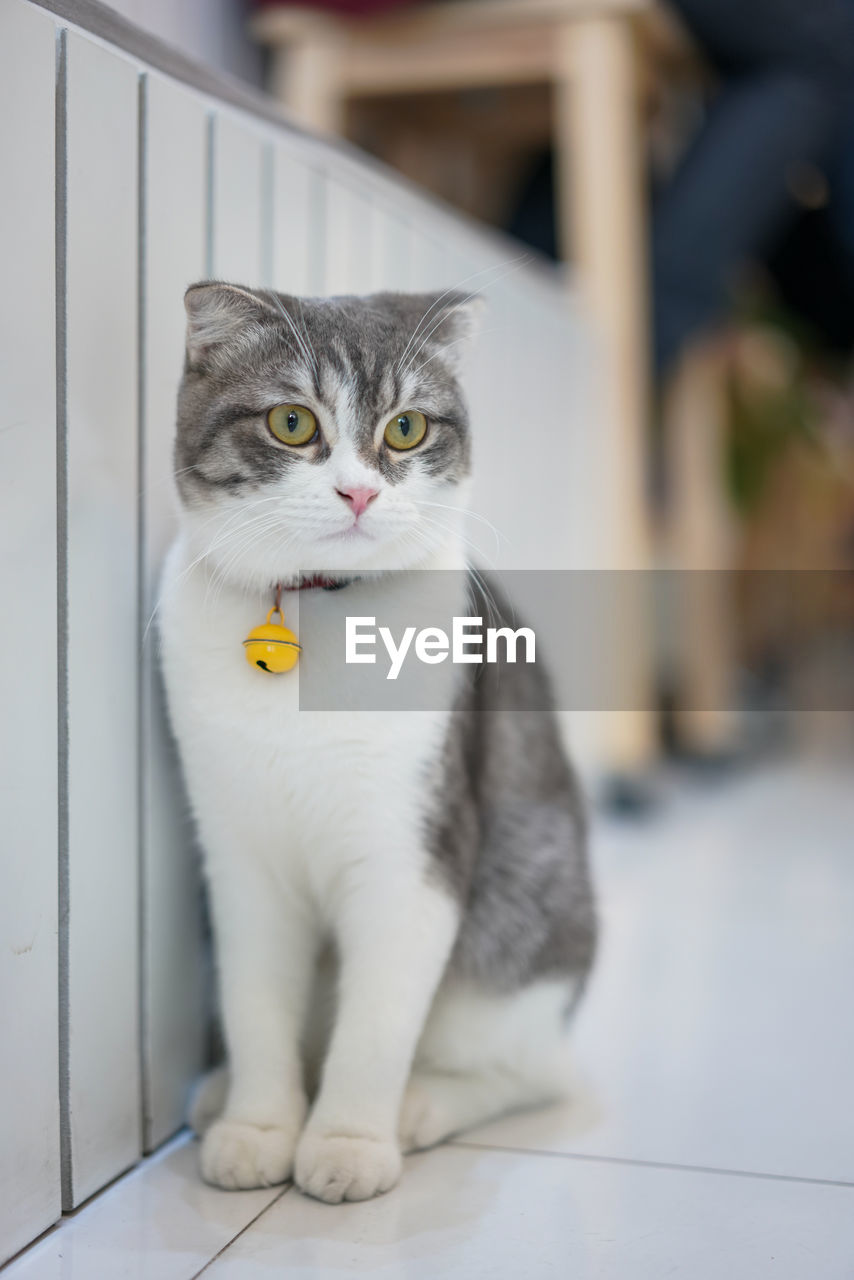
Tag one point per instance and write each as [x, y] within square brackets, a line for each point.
[317, 581]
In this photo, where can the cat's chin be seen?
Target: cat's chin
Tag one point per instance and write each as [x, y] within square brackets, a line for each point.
[336, 563]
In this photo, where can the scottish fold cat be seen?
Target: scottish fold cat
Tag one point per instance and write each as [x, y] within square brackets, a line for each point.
[402, 909]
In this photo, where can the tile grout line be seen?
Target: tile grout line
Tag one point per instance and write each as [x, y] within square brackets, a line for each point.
[458, 1144]
[651, 1164]
[260, 1214]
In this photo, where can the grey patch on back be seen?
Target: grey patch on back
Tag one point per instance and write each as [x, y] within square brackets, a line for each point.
[507, 833]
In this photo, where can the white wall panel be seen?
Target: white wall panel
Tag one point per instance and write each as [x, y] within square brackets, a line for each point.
[297, 226]
[430, 268]
[391, 250]
[174, 219]
[240, 182]
[222, 195]
[348, 238]
[29, 1040]
[511, 418]
[103, 945]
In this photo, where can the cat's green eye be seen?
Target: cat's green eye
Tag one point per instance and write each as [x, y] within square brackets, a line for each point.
[292, 424]
[405, 430]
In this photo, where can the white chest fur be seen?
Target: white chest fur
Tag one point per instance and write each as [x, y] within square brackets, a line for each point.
[309, 791]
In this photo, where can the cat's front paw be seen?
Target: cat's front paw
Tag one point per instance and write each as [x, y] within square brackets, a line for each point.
[240, 1156]
[333, 1167]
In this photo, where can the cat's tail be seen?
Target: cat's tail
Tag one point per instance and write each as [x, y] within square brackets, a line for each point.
[207, 1100]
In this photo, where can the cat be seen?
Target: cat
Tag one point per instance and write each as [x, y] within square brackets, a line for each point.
[419, 880]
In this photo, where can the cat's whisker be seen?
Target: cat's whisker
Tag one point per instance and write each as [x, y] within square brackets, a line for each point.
[474, 515]
[235, 515]
[232, 525]
[457, 532]
[447, 347]
[221, 572]
[466, 541]
[425, 338]
[241, 539]
[222, 537]
[249, 534]
[310, 358]
[257, 530]
[495, 617]
[157, 484]
[308, 339]
[522, 258]
[464, 511]
[190, 567]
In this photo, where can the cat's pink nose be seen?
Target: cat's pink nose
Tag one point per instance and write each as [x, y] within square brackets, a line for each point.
[358, 499]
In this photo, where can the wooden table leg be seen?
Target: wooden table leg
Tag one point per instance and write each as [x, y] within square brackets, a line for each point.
[603, 230]
[700, 538]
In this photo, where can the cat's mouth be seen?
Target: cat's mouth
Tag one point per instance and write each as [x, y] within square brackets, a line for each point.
[352, 533]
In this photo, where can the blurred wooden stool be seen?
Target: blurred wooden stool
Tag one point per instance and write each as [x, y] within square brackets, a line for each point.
[697, 544]
[586, 51]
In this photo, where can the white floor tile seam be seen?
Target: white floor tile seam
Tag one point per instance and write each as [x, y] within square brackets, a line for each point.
[469, 1214]
[288, 1187]
[710, 1129]
[522, 1153]
[469, 1211]
[635, 1163]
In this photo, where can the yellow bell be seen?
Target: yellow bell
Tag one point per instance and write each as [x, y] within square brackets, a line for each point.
[272, 647]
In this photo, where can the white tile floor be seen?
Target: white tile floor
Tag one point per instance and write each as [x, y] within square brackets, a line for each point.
[714, 1137]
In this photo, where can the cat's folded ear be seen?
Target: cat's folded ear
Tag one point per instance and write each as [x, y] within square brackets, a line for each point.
[220, 313]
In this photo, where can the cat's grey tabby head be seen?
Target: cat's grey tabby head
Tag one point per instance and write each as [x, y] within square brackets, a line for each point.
[321, 434]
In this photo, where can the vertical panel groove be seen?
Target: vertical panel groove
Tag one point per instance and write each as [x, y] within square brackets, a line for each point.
[101, 125]
[62, 609]
[142, 160]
